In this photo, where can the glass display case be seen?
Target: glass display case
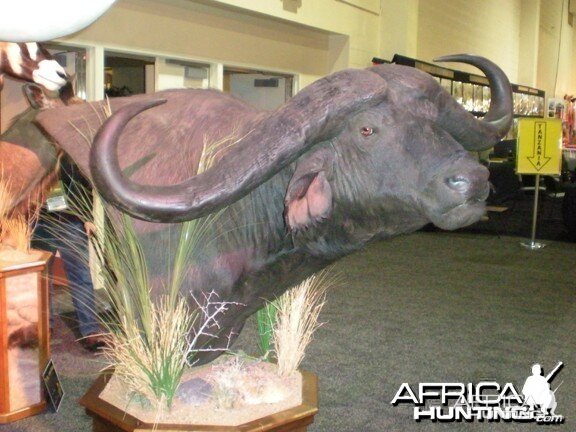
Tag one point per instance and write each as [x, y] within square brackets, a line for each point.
[472, 90]
[457, 92]
[24, 335]
[446, 84]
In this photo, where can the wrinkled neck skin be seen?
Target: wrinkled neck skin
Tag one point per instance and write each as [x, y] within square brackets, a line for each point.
[252, 258]
[252, 234]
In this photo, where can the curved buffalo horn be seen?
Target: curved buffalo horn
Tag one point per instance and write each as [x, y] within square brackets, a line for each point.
[477, 135]
[315, 114]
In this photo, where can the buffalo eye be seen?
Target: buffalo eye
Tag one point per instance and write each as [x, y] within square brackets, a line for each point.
[366, 131]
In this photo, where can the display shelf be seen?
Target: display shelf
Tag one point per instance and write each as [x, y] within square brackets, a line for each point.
[472, 91]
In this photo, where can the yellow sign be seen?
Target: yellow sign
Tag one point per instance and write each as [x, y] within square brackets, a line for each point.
[539, 146]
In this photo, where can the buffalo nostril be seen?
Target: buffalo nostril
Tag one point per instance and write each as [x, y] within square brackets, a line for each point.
[458, 183]
[62, 75]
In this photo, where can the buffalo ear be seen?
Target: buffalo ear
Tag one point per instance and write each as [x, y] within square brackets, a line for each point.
[309, 196]
[35, 96]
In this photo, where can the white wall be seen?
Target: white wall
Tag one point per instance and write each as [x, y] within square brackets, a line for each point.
[529, 43]
[489, 28]
[399, 28]
[185, 29]
[170, 75]
[359, 20]
[555, 55]
[267, 98]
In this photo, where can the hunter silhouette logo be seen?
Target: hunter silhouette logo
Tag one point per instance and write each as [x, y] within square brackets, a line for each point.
[537, 392]
[485, 400]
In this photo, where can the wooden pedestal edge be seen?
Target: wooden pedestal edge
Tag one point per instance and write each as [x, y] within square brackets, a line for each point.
[106, 415]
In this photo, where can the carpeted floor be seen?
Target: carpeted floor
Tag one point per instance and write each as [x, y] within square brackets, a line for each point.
[443, 308]
[430, 307]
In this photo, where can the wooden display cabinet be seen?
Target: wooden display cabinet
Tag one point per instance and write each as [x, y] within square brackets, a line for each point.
[24, 336]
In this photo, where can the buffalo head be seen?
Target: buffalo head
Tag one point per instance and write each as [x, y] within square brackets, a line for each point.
[387, 142]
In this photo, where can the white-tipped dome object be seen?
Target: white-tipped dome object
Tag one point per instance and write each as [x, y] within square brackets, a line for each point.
[42, 20]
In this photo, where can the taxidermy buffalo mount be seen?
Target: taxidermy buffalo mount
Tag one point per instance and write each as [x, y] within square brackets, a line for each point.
[357, 156]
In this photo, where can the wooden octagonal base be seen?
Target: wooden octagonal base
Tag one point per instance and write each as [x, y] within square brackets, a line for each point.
[22, 413]
[108, 418]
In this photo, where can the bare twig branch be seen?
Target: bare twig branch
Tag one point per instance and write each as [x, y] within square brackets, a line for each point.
[209, 310]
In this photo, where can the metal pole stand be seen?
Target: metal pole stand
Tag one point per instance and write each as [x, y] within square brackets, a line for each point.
[532, 244]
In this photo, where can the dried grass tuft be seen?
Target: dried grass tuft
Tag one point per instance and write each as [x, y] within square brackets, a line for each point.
[297, 320]
[149, 345]
[17, 232]
[152, 363]
[6, 198]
